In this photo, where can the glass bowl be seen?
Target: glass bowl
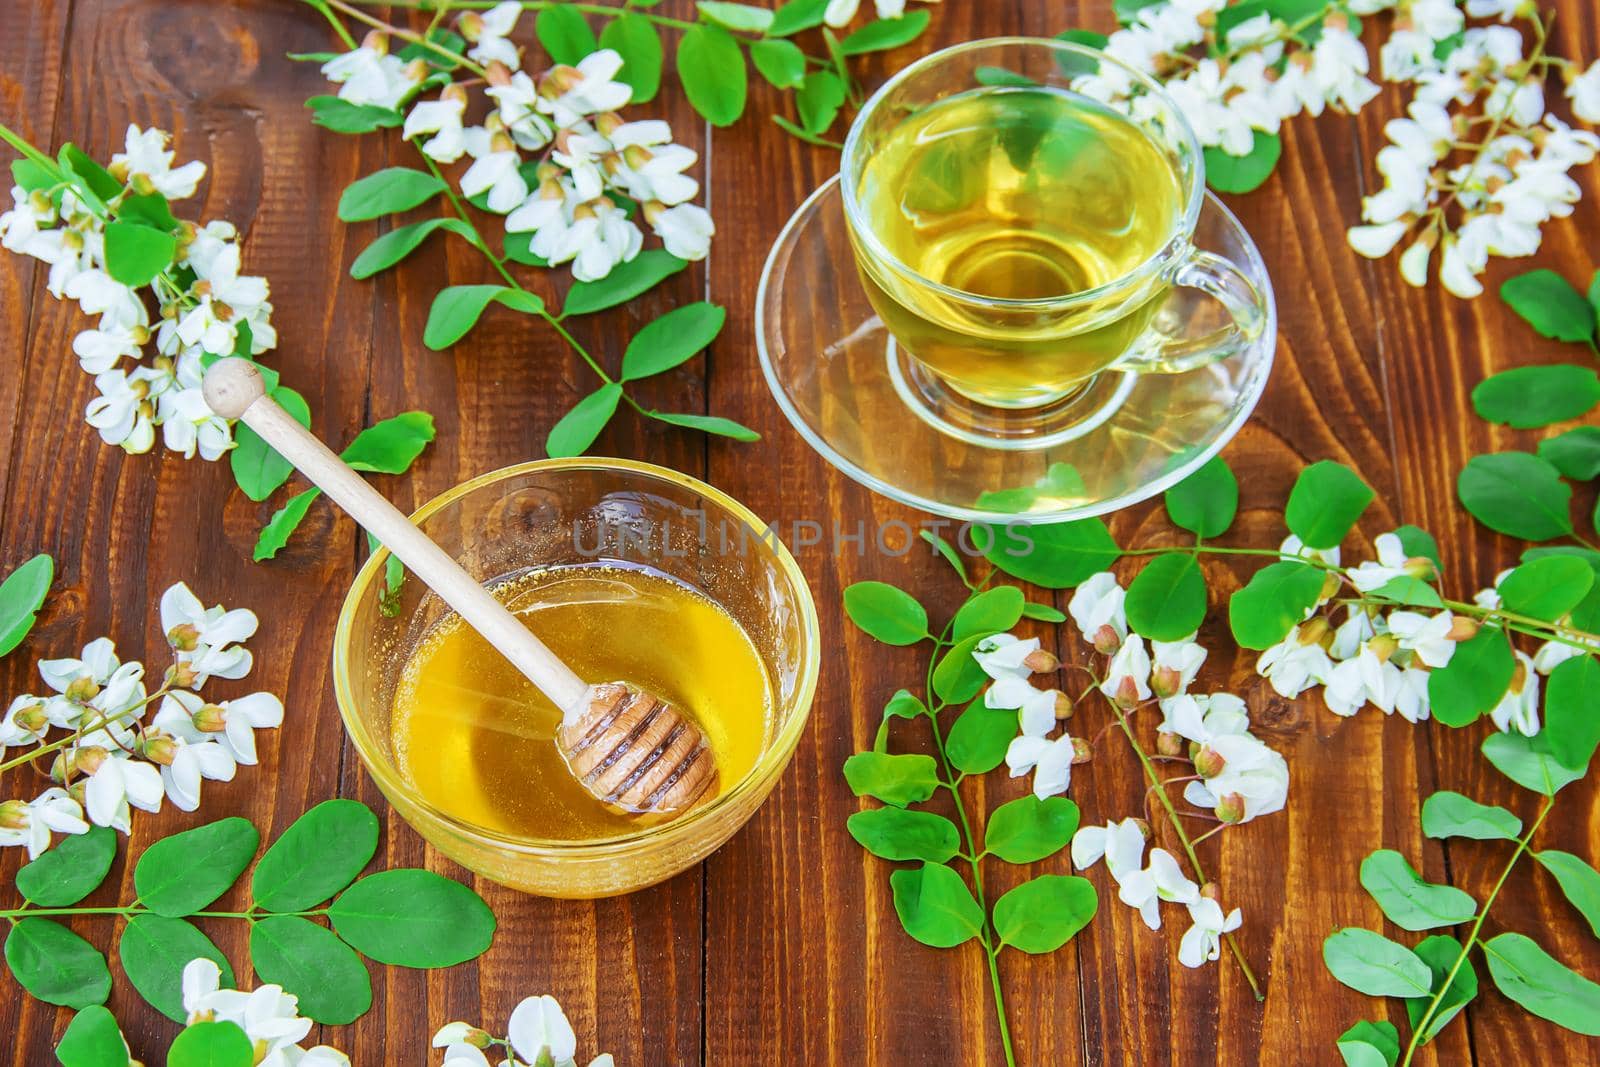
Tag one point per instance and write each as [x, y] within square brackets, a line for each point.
[583, 511]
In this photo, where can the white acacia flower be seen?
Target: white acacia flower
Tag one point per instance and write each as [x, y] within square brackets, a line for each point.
[1294, 665]
[496, 174]
[99, 350]
[25, 722]
[232, 723]
[1036, 708]
[1174, 665]
[95, 679]
[188, 425]
[30, 824]
[442, 118]
[1426, 635]
[1294, 548]
[208, 640]
[1121, 843]
[1358, 680]
[1489, 599]
[463, 1055]
[1411, 698]
[1546, 658]
[490, 33]
[118, 783]
[651, 167]
[1049, 760]
[1390, 564]
[539, 1027]
[100, 294]
[1204, 719]
[147, 155]
[121, 412]
[1203, 940]
[368, 76]
[1584, 92]
[1375, 242]
[269, 1016]
[601, 236]
[517, 101]
[685, 229]
[1163, 879]
[1254, 780]
[1128, 674]
[185, 764]
[1001, 656]
[224, 298]
[1349, 635]
[1518, 709]
[1504, 10]
[587, 89]
[1340, 65]
[578, 151]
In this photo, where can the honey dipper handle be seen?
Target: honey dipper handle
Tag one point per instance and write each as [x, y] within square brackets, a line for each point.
[234, 390]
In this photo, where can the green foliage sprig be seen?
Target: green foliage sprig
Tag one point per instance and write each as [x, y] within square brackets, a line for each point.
[21, 596]
[403, 917]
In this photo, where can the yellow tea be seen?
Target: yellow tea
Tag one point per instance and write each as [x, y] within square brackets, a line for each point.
[478, 741]
[1016, 194]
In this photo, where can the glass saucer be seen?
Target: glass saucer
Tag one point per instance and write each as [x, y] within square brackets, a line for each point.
[889, 424]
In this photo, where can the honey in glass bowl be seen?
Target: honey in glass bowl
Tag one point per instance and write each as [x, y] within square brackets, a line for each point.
[477, 740]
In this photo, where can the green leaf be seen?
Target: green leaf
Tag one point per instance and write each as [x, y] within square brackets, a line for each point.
[1372, 964]
[884, 34]
[319, 854]
[135, 253]
[712, 424]
[1550, 305]
[737, 16]
[1042, 914]
[341, 116]
[1043, 612]
[1167, 600]
[898, 834]
[1472, 683]
[935, 906]
[400, 242]
[1579, 882]
[1056, 556]
[391, 445]
[1276, 598]
[1369, 1044]
[258, 470]
[818, 100]
[1419, 542]
[71, 871]
[577, 429]
[989, 612]
[181, 874]
[212, 1045]
[797, 15]
[780, 62]
[1408, 590]
[99, 180]
[1575, 453]
[1547, 588]
[1440, 953]
[93, 1039]
[1529, 975]
[1516, 494]
[413, 918]
[518, 250]
[275, 534]
[55, 965]
[155, 949]
[386, 191]
[1528, 397]
[712, 70]
[672, 340]
[564, 33]
[904, 705]
[1206, 501]
[1447, 814]
[21, 596]
[626, 281]
[979, 737]
[636, 40]
[886, 612]
[31, 176]
[310, 962]
[457, 308]
[894, 779]
[1410, 902]
[957, 676]
[1325, 503]
[1246, 173]
[150, 209]
[1522, 760]
[1028, 829]
[1571, 714]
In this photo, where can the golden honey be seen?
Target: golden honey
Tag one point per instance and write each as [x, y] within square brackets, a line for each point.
[475, 738]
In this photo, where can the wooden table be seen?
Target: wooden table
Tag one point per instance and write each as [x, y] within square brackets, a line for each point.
[782, 948]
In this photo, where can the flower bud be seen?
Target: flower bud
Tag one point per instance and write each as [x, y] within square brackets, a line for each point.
[416, 70]
[500, 141]
[1383, 646]
[1064, 706]
[39, 202]
[1421, 568]
[1463, 629]
[159, 749]
[453, 93]
[1315, 631]
[210, 719]
[183, 637]
[1211, 891]
[143, 185]
[496, 74]
[58, 768]
[1230, 808]
[72, 239]
[1144, 828]
[608, 123]
[181, 675]
[90, 759]
[1165, 682]
[32, 718]
[1330, 586]
[636, 156]
[1169, 744]
[470, 23]
[377, 41]
[77, 792]
[1519, 678]
[82, 690]
[1208, 763]
[1082, 751]
[558, 80]
[651, 210]
[14, 815]
[1040, 661]
[1127, 697]
[1107, 640]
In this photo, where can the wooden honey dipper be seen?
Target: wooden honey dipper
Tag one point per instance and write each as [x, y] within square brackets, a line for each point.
[627, 747]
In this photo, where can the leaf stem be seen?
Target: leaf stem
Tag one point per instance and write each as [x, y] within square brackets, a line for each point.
[1472, 938]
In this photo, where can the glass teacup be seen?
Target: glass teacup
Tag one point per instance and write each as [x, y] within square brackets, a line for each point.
[1018, 237]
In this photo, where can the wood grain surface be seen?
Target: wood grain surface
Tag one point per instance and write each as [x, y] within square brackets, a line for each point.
[782, 948]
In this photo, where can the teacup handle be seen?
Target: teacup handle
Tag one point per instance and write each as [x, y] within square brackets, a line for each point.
[1224, 282]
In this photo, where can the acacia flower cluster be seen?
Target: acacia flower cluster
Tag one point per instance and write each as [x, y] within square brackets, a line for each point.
[537, 1033]
[1382, 656]
[1474, 170]
[269, 1017]
[147, 367]
[109, 761]
[552, 154]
